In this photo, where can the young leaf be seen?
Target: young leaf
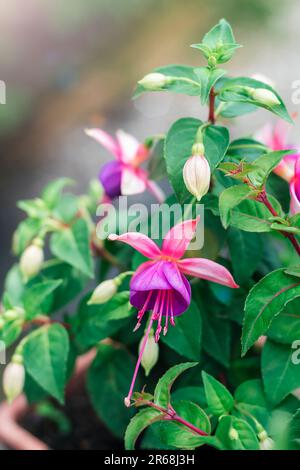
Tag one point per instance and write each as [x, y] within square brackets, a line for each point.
[230, 198]
[281, 375]
[266, 300]
[264, 165]
[164, 385]
[45, 358]
[184, 339]
[208, 77]
[107, 382]
[178, 148]
[34, 208]
[218, 42]
[52, 192]
[72, 246]
[27, 230]
[139, 423]
[253, 216]
[219, 399]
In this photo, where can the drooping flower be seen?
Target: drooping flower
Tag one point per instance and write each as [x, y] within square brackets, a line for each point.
[276, 138]
[160, 285]
[124, 175]
[295, 189]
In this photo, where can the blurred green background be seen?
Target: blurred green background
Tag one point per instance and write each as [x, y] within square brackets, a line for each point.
[69, 64]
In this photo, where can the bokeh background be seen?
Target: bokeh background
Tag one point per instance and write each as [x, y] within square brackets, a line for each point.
[69, 64]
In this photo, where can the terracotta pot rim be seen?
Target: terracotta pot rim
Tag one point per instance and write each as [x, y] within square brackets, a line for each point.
[12, 434]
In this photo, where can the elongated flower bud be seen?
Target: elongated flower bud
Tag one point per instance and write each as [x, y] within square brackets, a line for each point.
[154, 81]
[196, 172]
[104, 292]
[13, 380]
[266, 443]
[32, 259]
[150, 354]
[264, 96]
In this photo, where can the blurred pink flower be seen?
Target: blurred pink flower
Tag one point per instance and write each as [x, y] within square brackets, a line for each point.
[295, 189]
[160, 285]
[124, 175]
[275, 137]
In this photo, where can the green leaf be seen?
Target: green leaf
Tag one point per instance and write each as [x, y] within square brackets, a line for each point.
[11, 331]
[234, 91]
[164, 385]
[52, 192]
[108, 381]
[253, 216]
[251, 401]
[246, 149]
[35, 296]
[34, 208]
[96, 322]
[246, 437]
[219, 399]
[246, 251]
[27, 230]
[264, 165]
[138, 424]
[285, 328]
[184, 80]
[45, 358]
[185, 339]
[218, 42]
[293, 271]
[14, 285]
[281, 374]
[230, 198]
[266, 300]
[294, 431]
[216, 337]
[180, 436]
[208, 77]
[178, 148]
[66, 208]
[72, 246]
[157, 164]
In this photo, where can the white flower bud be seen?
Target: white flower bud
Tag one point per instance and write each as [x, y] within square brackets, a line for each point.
[13, 314]
[13, 380]
[233, 434]
[266, 444]
[264, 96]
[32, 259]
[151, 352]
[104, 292]
[154, 81]
[196, 175]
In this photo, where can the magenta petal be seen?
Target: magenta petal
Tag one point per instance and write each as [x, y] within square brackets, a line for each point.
[106, 140]
[156, 277]
[179, 237]
[110, 177]
[207, 269]
[139, 242]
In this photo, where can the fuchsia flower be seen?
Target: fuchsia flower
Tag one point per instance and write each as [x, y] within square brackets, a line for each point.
[276, 139]
[160, 285]
[295, 189]
[124, 176]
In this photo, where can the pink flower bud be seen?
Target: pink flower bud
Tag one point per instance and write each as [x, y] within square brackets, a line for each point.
[196, 175]
[13, 380]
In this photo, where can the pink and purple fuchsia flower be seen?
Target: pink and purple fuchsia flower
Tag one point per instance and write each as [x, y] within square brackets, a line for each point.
[295, 189]
[124, 175]
[276, 138]
[160, 285]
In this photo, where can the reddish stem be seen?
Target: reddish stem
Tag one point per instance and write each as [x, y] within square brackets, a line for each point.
[264, 199]
[173, 416]
[211, 112]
